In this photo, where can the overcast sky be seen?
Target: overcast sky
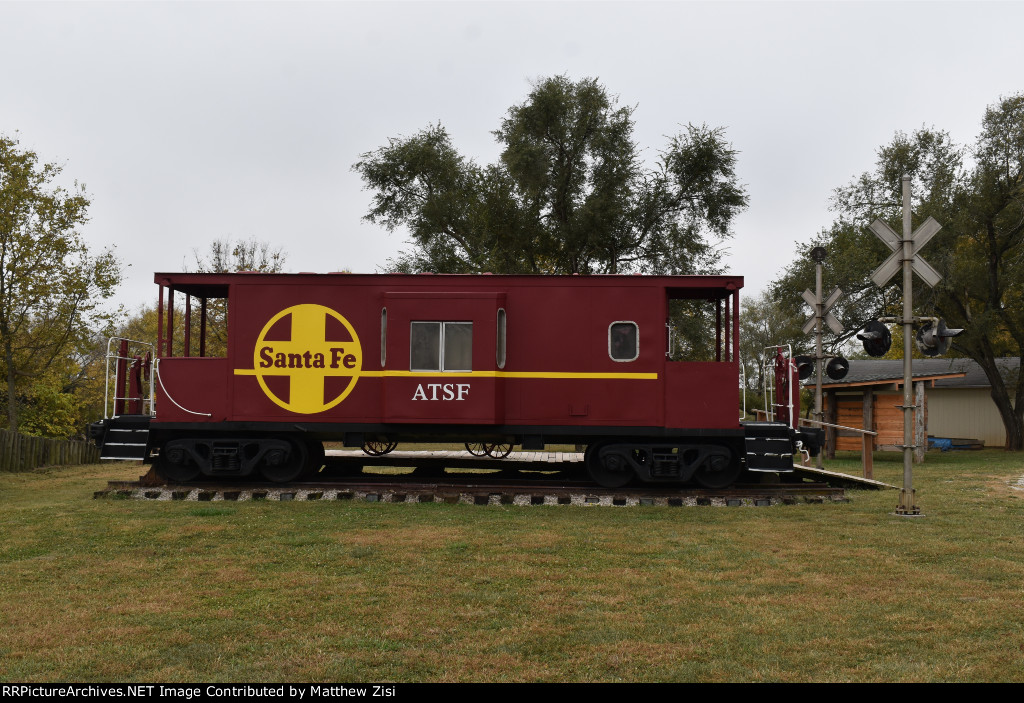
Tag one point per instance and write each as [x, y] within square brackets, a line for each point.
[194, 121]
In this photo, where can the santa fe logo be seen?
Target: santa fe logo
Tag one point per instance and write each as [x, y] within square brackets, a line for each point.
[307, 359]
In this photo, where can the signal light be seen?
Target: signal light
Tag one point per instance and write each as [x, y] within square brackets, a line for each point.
[804, 366]
[876, 337]
[837, 368]
[933, 340]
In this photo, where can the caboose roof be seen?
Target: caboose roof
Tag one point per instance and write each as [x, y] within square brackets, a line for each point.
[217, 285]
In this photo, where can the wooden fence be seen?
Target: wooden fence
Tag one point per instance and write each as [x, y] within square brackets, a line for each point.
[19, 452]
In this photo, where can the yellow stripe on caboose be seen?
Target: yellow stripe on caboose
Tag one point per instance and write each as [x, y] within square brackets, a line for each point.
[489, 374]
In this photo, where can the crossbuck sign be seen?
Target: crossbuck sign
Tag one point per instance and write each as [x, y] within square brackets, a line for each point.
[920, 237]
[830, 320]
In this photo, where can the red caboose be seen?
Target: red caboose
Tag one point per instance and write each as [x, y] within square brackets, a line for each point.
[530, 360]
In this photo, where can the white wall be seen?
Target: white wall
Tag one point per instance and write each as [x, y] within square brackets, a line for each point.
[968, 413]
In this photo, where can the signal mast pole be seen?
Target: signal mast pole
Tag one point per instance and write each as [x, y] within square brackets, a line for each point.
[906, 506]
[822, 316]
[818, 254]
[935, 335]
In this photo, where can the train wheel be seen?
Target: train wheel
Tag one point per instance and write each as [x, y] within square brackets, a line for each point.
[315, 451]
[282, 466]
[177, 473]
[497, 451]
[476, 448]
[718, 472]
[376, 448]
[613, 471]
[173, 465]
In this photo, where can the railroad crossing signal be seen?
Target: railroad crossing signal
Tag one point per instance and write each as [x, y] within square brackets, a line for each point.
[804, 366]
[933, 337]
[920, 237]
[837, 368]
[904, 257]
[876, 337]
[830, 320]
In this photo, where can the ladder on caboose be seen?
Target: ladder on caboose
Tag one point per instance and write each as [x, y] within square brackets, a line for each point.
[125, 438]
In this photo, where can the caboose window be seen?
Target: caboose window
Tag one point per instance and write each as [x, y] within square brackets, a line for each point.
[457, 346]
[441, 346]
[425, 354]
[383, 336]
[623, 341]
[500, 352]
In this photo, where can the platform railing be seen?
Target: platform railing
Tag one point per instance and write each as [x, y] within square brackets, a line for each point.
[768, 374]
[122, 355]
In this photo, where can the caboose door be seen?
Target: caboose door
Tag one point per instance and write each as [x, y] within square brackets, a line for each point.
[441, 357]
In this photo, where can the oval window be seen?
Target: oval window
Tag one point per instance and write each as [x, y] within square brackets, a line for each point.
[500, 354]
[623, 341]
[383, 336]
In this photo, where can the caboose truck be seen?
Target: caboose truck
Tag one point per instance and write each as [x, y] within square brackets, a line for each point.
[530, 360]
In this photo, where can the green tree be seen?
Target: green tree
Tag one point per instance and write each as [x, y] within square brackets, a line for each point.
[977, 195]
[51, 288]
[570, 193]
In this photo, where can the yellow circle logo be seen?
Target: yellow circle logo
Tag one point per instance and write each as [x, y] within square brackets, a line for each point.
[307, 359]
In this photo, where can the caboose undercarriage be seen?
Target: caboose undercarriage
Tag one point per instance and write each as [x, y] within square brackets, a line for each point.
[614, 457]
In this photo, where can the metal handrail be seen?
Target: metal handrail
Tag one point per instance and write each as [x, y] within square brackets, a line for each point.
[841, 427]
[160, 380]
[108, 398]
[867, 446]
[743, 385]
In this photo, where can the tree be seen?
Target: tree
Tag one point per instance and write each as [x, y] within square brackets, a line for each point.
[570, 193]
[224, 255]
[227, 256]
[977, 194]
[51, 288]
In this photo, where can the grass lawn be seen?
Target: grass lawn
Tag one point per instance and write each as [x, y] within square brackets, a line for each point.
[122, 590]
